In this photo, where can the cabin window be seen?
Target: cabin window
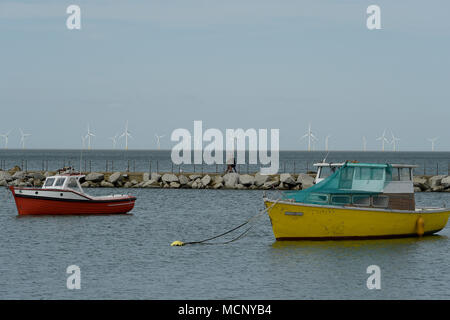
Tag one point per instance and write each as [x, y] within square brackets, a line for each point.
[362, 173]
[363, 201]
[377, 173]
[72, 184]
[346, 180]
[380, 201]
[395, 174]
[340, 199]
[60, 182]
[405, 174]
[401, 174]
[49, 182]
[325, 172]
[318, 198]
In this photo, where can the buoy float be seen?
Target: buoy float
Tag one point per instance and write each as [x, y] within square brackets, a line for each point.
[420, 226]
[177, 243]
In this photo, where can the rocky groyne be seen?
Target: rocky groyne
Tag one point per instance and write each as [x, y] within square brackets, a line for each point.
[283, 181]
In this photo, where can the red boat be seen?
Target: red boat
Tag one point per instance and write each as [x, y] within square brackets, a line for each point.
[62, 195]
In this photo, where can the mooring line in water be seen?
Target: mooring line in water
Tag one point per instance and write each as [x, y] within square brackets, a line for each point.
[181, 243]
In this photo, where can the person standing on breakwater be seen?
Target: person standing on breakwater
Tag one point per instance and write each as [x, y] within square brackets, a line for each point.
[231, 165]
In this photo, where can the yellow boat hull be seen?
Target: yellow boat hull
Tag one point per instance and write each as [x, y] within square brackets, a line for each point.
[297, 221]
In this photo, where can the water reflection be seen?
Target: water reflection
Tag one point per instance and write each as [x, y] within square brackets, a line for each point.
[341, 244]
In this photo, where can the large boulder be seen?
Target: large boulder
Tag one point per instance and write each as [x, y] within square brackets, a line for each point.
[3, 183]
[206, 180]
[20, 175]
[5, 176]
[183, 179]
[246, 180]
[231, 179]
[155, 176]
[437, 188]
[217, 179]
[36, 176]
[435, 181]
[445, 182]
[175, 185]
[270, 184]
[37, 183]
[421, 182]
[85, 184]
[139, 185]
[106, 184]
[283, 186]
[169, 177]
[260, 179]
[146, 177]
[194, 177]
[95, 177]
[286, 178]
[217, 185]
[128, 184]
[151, 184]
[115, 177]
[305, 180]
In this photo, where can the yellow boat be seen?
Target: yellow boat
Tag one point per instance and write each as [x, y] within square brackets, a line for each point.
[358, 201]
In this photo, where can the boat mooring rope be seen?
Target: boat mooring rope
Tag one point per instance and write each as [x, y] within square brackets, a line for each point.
[259, 214]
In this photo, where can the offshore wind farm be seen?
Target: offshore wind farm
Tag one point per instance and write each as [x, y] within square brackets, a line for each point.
[310, 141]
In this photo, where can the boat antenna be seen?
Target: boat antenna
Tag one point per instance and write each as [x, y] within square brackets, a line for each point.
[324, 159]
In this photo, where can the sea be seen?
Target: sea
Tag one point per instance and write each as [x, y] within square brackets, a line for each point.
[130, 257]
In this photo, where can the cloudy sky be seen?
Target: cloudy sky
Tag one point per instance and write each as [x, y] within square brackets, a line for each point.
[232, 64]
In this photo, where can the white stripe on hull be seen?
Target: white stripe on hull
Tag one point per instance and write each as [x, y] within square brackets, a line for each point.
[42, 193]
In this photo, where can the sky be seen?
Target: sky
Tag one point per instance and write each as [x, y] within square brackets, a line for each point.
[232, 64]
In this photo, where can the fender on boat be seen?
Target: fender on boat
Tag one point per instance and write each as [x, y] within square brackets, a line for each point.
[420, 226]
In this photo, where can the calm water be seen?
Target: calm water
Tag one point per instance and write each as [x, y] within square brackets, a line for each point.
[129, 256]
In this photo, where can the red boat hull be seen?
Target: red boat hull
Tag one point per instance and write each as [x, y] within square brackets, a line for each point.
[41, 206]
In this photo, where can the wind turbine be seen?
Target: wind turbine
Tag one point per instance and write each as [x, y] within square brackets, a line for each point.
[158, 140]
[364, 143]
[126, 134]
[394, 142]
[326, 141]
[114, 140]
[311, 137]
[383, 140]
[433, 141]
[6, 135]
[23, 136]
[88, 136]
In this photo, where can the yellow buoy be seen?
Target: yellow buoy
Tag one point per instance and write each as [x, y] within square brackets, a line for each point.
[177, 243]
[420, 226]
